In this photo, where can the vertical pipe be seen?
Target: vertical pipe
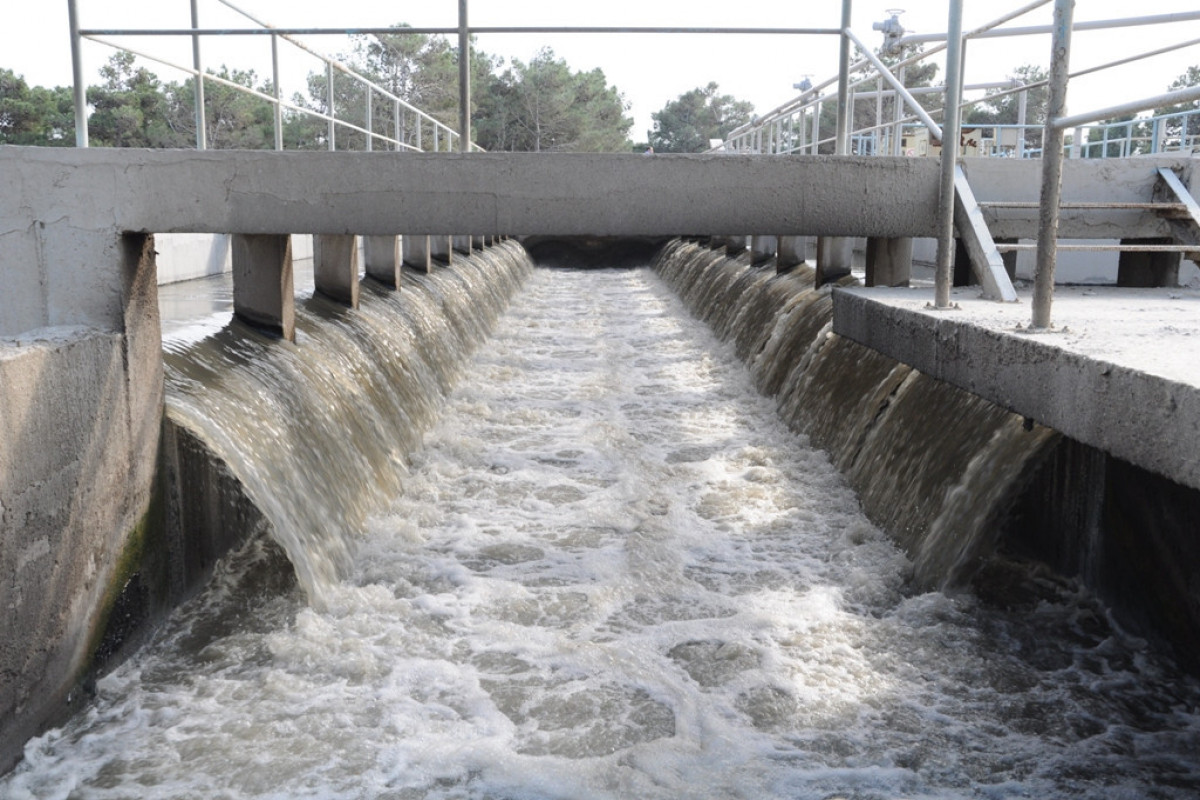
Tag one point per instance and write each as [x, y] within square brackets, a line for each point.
[1022, 116]
[332, 115]
[464, 79]
[1052, 164]
[278, 92]
[878, 132]
[201, 125]
[843, 97]
[1077, 142]
[816, 134]
[898, 114]
[950, 137]
[79, 90]
[370, 121]
[398, 124]
[417, 119]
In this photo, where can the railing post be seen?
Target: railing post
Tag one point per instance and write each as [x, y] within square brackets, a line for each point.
[79, 90]
[1022, 115]
[843, 97]
[278, 92]
[464, 79]
[329, 95]
[1052, 165]
[370, 126]
[816, 129]
[201, 126]
[897, 116]
[398, 128]
[950, 138]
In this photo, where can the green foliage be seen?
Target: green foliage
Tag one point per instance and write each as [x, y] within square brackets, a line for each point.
[544, 105]
[686, 125]
[1005, 110]
[1176, 129]
[130, 107]
[233, 119]
[34, 115]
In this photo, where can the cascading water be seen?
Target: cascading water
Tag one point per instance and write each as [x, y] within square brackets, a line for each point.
[609, 570]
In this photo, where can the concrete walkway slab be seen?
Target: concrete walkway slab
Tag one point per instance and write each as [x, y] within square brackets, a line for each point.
[1118, 372]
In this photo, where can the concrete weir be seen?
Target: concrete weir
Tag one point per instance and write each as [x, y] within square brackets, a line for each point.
[86, 469]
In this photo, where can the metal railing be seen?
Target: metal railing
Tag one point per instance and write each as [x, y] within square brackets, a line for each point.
[415, 130]
[795, 126]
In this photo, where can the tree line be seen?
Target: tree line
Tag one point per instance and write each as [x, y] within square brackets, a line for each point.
[537, 105]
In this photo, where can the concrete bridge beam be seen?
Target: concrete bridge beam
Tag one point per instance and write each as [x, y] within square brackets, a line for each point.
[416, 250]
[381, 259]
[335, 267]
[263, 286]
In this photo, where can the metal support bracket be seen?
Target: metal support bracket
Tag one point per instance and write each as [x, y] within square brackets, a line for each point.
[985, 258]
[1184, 217]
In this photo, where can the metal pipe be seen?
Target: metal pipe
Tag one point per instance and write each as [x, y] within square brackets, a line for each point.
[1090, 25]
[843, 90]
[1022, 115]
[332, 111]
[464, 79]
[247, 90]
[897, 113]
[278, 92]
[374, 31]
[1170, 98]
[78, 89]
[201, 122]
[887, 75]
[949, 137]
[1052, 165]
[370, 121]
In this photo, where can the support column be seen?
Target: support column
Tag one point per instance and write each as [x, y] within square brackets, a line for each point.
[763, 248]
[835, 254]
[441, 249]
[889, 261]
[461, 244]
[735, 246]
[718, 242]
[263, 295]
[381, 259]
[1009, 257]
[416, 252]
[335, 267]
[478, 242]
[792, 250]
[1147, 270]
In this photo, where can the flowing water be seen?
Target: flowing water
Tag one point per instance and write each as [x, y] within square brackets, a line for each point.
[610, 571]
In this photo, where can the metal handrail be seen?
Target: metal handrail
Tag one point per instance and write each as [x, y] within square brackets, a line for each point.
[448, 134]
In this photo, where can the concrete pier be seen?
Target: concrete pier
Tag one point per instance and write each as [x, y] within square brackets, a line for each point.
[889, 261]
[416, 251]
[441, 249]
[381, 259]
[335, 267]
[835, 256]
[263, 292]
[763, 248]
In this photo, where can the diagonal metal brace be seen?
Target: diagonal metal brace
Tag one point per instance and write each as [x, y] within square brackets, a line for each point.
[973, 230]
[1185, 223]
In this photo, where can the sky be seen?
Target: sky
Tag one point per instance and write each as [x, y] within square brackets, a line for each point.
[649, 70]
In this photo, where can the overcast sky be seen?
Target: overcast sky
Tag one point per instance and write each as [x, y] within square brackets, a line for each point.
[648, 70]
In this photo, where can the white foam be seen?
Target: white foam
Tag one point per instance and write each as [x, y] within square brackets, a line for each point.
[614, 573]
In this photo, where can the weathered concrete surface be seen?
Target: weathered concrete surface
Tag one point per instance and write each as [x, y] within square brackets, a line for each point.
[1111, 376]
[80, 415]
[263, 293]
